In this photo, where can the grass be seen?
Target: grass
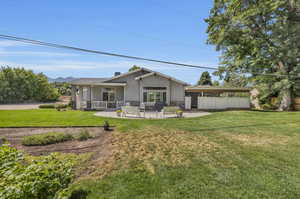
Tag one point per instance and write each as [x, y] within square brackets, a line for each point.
[236, 154]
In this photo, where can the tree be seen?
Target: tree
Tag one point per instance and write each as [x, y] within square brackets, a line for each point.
[216, 83]
[259, 37]
[205, 79]
[63, 88]
[134, 67]
[20, 85]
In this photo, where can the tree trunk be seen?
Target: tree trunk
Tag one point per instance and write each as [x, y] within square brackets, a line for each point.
[286, 100]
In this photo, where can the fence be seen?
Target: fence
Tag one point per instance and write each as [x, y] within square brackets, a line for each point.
[222, 103]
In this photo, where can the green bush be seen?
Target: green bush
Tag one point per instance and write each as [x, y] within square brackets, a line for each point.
[47, 106]
[45, 139]
[83, 135]
[61, 106]
[34, 178]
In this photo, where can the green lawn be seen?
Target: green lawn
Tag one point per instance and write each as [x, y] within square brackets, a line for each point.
[254, 155]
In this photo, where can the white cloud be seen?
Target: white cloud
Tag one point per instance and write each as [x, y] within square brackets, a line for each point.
[7, 43]
[67, 65]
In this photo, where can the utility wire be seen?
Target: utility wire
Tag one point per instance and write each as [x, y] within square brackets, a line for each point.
[36, 42]
[54, 45]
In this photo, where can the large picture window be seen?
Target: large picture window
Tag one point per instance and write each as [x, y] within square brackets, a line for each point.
[155, 94]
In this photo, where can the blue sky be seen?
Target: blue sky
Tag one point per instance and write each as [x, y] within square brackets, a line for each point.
[170, 30]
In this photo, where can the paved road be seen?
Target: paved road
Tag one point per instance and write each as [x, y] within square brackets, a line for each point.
[19, 106]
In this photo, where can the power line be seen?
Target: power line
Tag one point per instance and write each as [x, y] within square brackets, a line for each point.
[54, 45]
[41, 43]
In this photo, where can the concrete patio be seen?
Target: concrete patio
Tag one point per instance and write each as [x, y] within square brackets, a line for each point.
[150, 115]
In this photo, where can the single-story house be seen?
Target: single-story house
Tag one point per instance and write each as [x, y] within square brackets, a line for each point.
[148, 87]
[135, 87]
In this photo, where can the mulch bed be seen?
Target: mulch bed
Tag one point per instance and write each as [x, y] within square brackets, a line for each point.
[97, 144]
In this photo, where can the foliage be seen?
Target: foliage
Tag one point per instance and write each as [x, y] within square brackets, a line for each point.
[32, 179]
[47, 106]
[216, 83]
[20, 85]
[259, 37]
[64, 88]
[134, 67]
[45, 139]
[61, 106]
[205, 79]
[83, 135]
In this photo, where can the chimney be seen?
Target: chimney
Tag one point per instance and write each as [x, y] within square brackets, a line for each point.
[117, 73]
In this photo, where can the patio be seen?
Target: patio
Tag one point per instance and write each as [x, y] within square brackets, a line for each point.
[151, 115]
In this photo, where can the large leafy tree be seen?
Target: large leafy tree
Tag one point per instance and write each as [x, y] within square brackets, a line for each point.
[205, 79]
[20, 85]
[259, 37]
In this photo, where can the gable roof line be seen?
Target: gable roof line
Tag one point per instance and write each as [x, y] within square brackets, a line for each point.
[162, 75]
[129, 73]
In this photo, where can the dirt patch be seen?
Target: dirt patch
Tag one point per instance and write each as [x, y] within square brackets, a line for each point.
[255, 140]
[149, 147]
[14, 136]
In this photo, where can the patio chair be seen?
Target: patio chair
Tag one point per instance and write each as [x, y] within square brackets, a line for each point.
[130, 110]
[168, 110]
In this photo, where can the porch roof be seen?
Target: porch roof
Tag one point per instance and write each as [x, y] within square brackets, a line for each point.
[87, 81]
[94, 82]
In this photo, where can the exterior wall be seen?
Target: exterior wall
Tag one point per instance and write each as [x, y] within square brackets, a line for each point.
[175, 91]
[155, 81]
[177, 94]
[222, 103]
[132, 88]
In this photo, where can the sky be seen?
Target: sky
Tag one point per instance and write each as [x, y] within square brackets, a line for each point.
[170, 30]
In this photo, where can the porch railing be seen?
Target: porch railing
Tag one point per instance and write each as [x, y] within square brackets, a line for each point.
[106, 104]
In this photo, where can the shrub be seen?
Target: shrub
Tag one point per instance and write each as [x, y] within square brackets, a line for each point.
[45, 139]
[47, 106]
[33, 178]
[2, 140]
[83, 135]
[61, 106]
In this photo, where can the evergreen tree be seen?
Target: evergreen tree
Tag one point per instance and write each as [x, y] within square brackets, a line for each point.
[205, 79]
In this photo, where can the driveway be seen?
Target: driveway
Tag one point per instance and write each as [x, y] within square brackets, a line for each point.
[19, 106]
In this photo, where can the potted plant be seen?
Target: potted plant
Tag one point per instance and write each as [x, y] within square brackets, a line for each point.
[179, 113]
[119, 113]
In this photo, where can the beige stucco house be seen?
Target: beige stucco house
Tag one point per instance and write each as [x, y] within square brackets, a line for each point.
[135, 87]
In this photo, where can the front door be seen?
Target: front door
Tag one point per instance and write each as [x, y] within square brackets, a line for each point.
[109, 96]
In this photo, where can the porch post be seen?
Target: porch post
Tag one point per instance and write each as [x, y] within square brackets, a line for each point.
[91, 96]
[124, 95]
[89, 100]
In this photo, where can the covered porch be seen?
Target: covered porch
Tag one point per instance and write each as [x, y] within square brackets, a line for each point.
[102, 96]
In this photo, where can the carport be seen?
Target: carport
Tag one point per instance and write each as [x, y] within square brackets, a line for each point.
[217, 98]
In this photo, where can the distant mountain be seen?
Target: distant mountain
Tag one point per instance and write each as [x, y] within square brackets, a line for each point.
[61, 79]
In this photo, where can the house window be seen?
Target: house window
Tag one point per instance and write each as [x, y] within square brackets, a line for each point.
[155, 94]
